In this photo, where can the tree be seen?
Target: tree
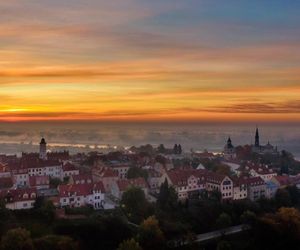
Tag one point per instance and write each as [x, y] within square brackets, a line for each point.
[129, 245]
[17, 239]
[47, 211]
[161, 149]
[150, 235]
[179, 149]
[55, 242]
[136, 172]
[223, 221]
[224, 245]
[215, 196]
[289, 220]
[222, 169]
[282, 198]
[294, 195]
[282, 229]
[54, 182]
[175, 149]
[248, 217]
[167, 199]
[134, 204]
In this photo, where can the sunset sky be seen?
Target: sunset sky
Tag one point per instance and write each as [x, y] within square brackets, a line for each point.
[185, 60]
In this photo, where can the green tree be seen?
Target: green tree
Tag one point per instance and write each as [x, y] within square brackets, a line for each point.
[134, 204]
[248, 217]
[167, 199]
[161, 149]
[55, 242]
[54, 182]
[17, 239]
[150, 235]
[282, 198]
[224, 245]
[136, 172]
[223, 221]
[47, 211]
[215, 196]
[294, 195]
[129, 245]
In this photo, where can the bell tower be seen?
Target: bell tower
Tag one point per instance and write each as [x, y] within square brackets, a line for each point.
[43, 149]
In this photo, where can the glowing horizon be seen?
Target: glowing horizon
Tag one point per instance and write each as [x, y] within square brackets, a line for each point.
[138, 60]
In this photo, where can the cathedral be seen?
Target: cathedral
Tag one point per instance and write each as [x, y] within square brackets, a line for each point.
[263, 149]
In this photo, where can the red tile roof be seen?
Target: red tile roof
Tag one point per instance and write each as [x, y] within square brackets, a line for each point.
[82, 177]
[68, 167]
[124, 184]
[80, 189]
[23, 194]
[255, 181]
[179, 177]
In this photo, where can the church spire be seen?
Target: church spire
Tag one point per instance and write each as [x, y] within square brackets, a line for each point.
[256, 138]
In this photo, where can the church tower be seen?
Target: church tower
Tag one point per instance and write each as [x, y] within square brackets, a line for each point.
[256, 138]
[229, 150]
[229, 143]
[43, 149]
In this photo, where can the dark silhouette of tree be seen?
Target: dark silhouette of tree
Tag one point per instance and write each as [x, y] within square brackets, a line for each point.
[179, 150]
[134, 204]
[223, 221]
[161, 149]
[55, 242]
[282, 198]
[17, 239]
[150, 235]
[129, 245]
[167, 199]
[136, 172]
[175, 149]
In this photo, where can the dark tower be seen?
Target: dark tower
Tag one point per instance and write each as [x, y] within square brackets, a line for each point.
[229, 143]
[256, 138]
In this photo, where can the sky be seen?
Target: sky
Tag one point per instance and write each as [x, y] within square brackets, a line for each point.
[158, 60]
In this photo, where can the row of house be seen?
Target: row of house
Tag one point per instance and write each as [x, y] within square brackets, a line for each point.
[190, 181]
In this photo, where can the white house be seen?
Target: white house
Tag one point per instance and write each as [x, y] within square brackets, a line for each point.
[220, 183]
[19, 198]
[79, 195]
[68, 170]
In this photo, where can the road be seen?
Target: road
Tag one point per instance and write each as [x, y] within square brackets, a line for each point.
[219, 233]
[212, 235]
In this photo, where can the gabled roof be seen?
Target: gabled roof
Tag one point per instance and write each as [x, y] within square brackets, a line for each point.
[124, 184]
[215, 178]
[80, 189]
[179, 177]
[21, 194]
[255, 181]
[239, 181]
[69, 167]
[260, 169]
[82, 177]
[109, 172]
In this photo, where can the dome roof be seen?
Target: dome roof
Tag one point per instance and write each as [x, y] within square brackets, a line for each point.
[43, 141]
